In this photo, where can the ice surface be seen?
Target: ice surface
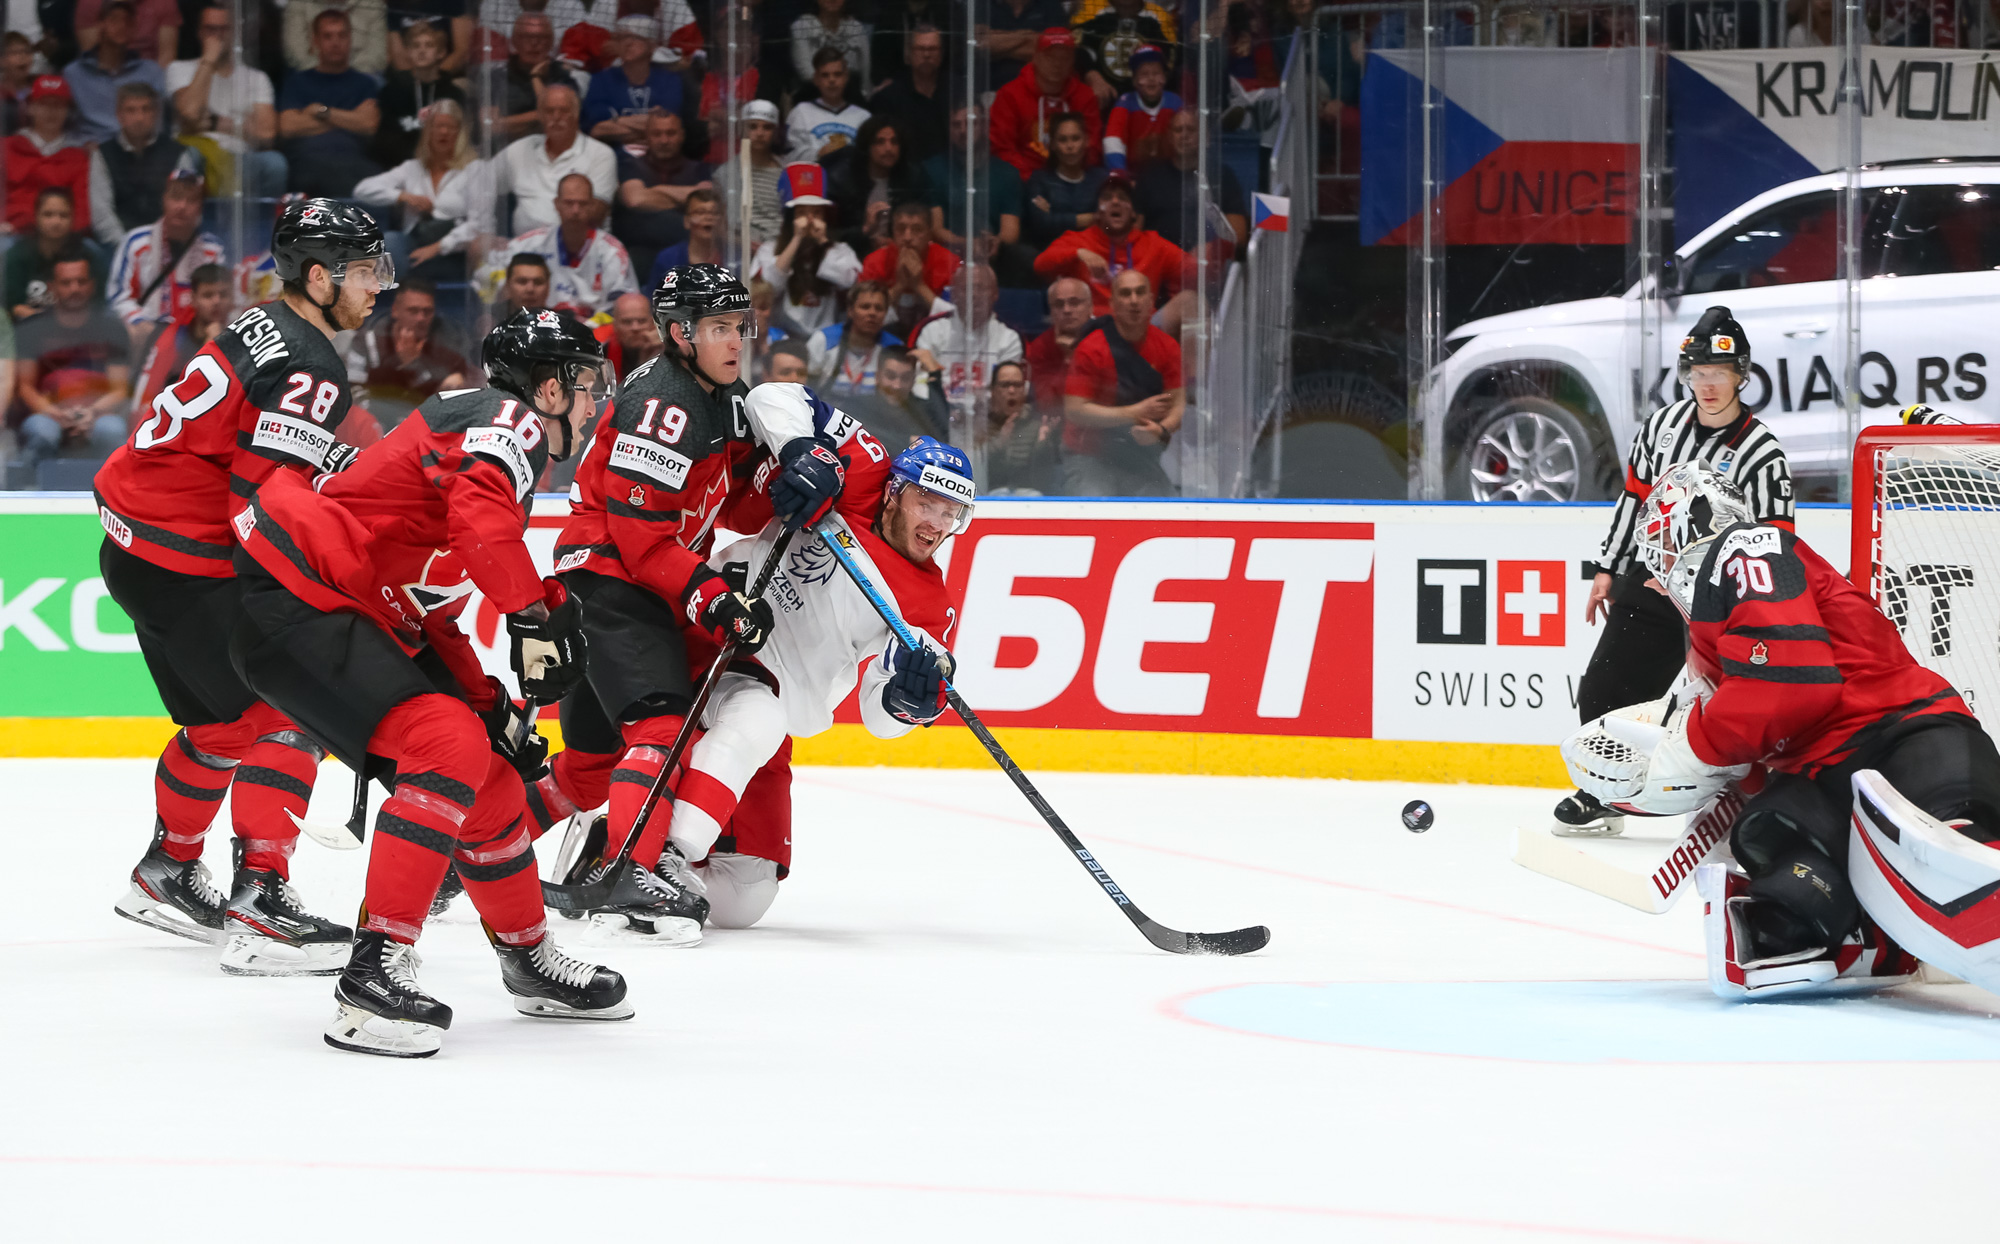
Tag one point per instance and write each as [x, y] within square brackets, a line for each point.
[944, 1032]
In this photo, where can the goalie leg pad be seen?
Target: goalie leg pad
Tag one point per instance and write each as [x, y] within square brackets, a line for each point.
[1931, 888]
[1739, 930]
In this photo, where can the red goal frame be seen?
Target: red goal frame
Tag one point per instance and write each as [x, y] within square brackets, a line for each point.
[1866, 519]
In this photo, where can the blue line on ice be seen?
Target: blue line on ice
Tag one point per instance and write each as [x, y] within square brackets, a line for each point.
[1604, 1022]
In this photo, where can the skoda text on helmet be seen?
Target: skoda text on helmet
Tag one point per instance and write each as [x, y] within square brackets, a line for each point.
[535, 346]
[1690, 505]
[1716, 338]
[333, 235]
[937, 468]
[691, 293]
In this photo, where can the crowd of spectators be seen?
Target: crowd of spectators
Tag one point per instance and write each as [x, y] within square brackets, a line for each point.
[565, 153]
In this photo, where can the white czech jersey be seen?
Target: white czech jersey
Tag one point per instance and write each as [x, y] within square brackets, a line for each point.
[824, 629]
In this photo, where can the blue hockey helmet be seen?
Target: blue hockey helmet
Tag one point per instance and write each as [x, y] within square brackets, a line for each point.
[938, 468]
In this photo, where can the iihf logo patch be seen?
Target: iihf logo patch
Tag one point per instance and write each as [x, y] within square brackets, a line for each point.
[1759, 654]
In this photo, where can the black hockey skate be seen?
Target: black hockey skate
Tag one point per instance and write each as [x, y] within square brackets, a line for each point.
[548, 984]
[270, 933]
[381, 1009]
[1581, 816]
[173, 896]
[646, 908]
[448, 890]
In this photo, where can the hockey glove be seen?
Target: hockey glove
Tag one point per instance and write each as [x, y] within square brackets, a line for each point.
[339, 458]
[513, 734]
[809, 482]
[728, 616]
[915, 690]
[548, 645]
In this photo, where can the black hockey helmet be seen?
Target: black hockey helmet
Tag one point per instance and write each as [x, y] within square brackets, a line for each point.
[329, 232]
[1715, 338]
[532, 342]
[693, 291]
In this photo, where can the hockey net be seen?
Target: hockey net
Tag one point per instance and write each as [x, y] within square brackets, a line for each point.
[1926, 546]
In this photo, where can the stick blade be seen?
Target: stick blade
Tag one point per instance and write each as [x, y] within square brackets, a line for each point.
[332, 837]
[1234, 942]
[586, 897]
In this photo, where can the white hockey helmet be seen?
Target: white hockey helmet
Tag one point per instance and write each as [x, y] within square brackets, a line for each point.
[1691, 503]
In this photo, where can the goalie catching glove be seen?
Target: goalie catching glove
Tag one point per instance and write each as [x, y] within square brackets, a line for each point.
[728, 616]
[915, 690]
[548, 645]
[1638, 760]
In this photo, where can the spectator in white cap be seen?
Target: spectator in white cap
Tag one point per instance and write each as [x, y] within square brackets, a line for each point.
[807, 268]
[757, 123]
[624, 95]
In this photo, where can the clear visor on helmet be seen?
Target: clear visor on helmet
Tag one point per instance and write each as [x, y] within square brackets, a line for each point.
[373, 275]
[933, 508]
[720, 329]
[1687, 365]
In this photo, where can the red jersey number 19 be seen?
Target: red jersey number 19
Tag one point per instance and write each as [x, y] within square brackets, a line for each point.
[175, 404]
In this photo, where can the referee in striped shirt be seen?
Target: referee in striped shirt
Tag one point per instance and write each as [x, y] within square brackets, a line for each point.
[1644, 642]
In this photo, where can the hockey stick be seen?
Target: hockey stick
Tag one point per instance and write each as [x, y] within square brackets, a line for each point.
[336, 837]
[589, 895]
[1649, 874]
[1234, 942]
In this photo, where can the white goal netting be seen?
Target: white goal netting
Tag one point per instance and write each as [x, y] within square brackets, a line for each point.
[1936, 557]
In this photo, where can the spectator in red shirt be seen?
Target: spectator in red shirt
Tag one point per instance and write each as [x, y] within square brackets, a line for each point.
[1114, 243]
[914, 267]
[1025, 109]
[1048, 355]
[1123, 399]
[45, 154]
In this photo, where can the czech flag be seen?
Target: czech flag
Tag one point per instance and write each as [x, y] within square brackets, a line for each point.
[1268, 211]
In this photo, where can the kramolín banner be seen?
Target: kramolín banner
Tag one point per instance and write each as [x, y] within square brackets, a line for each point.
[1752, 120]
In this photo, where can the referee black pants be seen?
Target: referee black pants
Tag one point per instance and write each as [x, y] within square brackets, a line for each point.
[1640, 653]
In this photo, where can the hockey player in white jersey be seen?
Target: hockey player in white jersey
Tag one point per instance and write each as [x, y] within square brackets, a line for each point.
[730, 835]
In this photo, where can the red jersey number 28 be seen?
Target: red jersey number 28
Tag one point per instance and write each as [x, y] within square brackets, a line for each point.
[201, 387]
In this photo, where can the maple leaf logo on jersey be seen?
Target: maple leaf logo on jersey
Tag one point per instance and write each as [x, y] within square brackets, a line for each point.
[638, 496]
[443, 581]
[1759, 654]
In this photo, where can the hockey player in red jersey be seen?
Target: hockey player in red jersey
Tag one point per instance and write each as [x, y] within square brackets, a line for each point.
[733, 808]
[1811, 682]
[351, 594]
[679, 438]
[261, 400]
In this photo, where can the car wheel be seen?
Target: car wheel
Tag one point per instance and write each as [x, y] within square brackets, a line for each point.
[1529, 449]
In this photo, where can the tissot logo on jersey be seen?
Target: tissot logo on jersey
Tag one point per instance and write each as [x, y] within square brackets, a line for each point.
[650, 458]
[292, 436]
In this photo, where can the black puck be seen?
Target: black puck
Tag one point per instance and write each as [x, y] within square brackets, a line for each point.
[1417, 816]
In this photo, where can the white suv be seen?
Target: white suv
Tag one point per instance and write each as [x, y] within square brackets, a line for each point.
[1539, 403]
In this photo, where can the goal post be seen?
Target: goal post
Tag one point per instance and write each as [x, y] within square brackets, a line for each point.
[1926, 545]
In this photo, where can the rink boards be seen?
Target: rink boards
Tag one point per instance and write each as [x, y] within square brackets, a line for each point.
[1365, 640]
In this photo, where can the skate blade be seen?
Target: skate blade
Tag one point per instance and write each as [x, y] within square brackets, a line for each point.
[250, 954]
[364, 1032]
[548, 1008]
[610, 928]
[1611, 828]
[142, 908]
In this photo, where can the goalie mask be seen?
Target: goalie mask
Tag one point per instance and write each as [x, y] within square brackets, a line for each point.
[1690, 505]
